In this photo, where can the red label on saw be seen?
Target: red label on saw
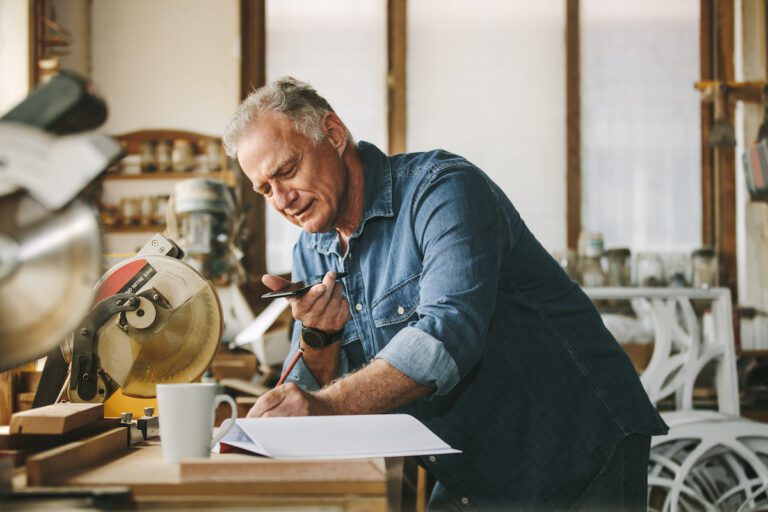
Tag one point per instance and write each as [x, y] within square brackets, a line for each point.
[129, 278]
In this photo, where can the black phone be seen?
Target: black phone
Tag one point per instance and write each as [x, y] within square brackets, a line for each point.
[299, 287]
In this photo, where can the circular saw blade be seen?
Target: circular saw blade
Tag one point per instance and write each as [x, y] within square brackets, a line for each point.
[50, 261]
[179, 344]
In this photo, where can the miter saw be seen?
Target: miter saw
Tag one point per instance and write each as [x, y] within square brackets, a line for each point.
[156, 320]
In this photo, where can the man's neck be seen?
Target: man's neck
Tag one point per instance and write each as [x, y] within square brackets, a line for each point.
[353, 209]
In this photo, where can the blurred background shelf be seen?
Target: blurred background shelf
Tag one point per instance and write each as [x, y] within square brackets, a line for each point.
[226, 176]
[150, 228]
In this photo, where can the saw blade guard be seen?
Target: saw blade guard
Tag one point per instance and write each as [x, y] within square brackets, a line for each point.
[173, 334]
[48, 264]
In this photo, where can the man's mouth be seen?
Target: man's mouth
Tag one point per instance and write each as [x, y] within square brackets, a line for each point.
[303, 210]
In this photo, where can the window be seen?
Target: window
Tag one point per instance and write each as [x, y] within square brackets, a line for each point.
[487, 81]
[340, 47]
[641, 162]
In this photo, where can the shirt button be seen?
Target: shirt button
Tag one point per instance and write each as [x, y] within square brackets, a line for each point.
[465, 501]
[432, 458]
[400, 310]
[359, 307]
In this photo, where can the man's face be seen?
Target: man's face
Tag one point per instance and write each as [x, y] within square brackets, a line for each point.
[304, 181]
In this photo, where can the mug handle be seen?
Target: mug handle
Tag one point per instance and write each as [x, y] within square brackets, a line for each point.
[223, 430]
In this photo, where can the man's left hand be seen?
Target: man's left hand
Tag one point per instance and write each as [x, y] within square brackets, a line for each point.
[289, 400]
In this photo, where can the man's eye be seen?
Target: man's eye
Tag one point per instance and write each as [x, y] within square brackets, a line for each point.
[289, 173]
[266, 191]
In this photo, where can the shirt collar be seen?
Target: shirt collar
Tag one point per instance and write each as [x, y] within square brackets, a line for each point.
[377, 183]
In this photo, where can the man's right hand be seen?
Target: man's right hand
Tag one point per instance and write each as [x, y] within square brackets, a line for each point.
[323, 307]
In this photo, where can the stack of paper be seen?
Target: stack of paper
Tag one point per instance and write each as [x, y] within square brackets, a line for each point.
[334, 437]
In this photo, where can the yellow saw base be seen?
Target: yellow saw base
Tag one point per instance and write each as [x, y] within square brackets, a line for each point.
[119, 403]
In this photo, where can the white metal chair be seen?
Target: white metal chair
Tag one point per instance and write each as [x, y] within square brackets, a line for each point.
[711, 460]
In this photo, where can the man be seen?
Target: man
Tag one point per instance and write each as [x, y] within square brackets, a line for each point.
[451, 311]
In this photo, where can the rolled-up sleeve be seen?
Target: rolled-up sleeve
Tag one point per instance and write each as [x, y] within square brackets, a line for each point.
[423, 358]
[457, 223]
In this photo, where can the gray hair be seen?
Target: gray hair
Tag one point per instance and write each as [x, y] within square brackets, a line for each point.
[296, 100]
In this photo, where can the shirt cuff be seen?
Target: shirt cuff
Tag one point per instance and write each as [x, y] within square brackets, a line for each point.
[423, 358]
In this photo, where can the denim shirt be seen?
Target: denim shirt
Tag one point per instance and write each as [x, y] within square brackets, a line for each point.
[447, 284]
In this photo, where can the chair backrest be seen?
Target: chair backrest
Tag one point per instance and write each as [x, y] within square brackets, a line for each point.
[681, 351]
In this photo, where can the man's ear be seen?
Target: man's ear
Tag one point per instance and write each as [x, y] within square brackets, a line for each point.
[336, 132]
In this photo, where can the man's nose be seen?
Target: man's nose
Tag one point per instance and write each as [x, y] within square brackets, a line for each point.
[283, 197]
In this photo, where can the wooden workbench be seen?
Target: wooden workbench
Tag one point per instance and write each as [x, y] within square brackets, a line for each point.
[235, 480]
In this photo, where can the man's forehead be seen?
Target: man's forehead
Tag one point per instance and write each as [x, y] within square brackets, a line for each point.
[267, 145]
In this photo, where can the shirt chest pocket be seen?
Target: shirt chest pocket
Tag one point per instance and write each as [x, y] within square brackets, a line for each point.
[397, 305]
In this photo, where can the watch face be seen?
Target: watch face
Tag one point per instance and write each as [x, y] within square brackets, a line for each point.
[318, 339]
[313, 338]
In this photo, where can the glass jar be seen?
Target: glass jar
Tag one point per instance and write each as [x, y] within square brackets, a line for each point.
[704, 268]
[147, 156]
[161, 207]
[590, 250]
[618, 263]
[212, 155]
[148, 204]
[676, 267]
[163, 152]
[650, 269]
[130, 210]
[182, 157]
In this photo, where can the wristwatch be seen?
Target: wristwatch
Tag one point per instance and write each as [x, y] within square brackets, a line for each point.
[316, 338]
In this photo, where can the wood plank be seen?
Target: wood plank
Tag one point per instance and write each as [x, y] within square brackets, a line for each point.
[245, 387]
[253, 73]
[131, 140]
[573, 124]
[726, 159]
[6, 397]
[253, 42]
[258, 469]
[40, 442]
[252, 477]
[346, 503]
[55, 419]
[226, 176]
[60, 463]
[706, 60]
[397, 84]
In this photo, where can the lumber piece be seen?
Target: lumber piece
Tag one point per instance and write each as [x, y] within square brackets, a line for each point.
[39, 442]
[60, 463]
[55, 419]
[245, 387]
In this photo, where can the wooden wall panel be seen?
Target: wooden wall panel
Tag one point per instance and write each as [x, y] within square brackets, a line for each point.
[573, 123]
[396, 74]
[252, 76]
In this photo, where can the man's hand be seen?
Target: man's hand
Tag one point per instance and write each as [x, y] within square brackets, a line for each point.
[374, 389]
[323, 307]
[289, 400]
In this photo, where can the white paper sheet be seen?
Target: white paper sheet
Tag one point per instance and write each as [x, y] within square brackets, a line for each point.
[335, 437]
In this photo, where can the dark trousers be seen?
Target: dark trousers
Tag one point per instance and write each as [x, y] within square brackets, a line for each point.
[621, 485]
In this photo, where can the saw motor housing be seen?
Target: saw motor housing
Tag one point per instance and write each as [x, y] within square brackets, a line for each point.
[156, 321]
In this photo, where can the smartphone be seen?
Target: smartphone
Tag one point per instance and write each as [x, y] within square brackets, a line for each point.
[299, 287]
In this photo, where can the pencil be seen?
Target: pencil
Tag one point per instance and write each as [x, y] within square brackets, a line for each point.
[290, 366]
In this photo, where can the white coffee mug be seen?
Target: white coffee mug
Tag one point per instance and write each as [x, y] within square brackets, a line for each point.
[186, 420]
